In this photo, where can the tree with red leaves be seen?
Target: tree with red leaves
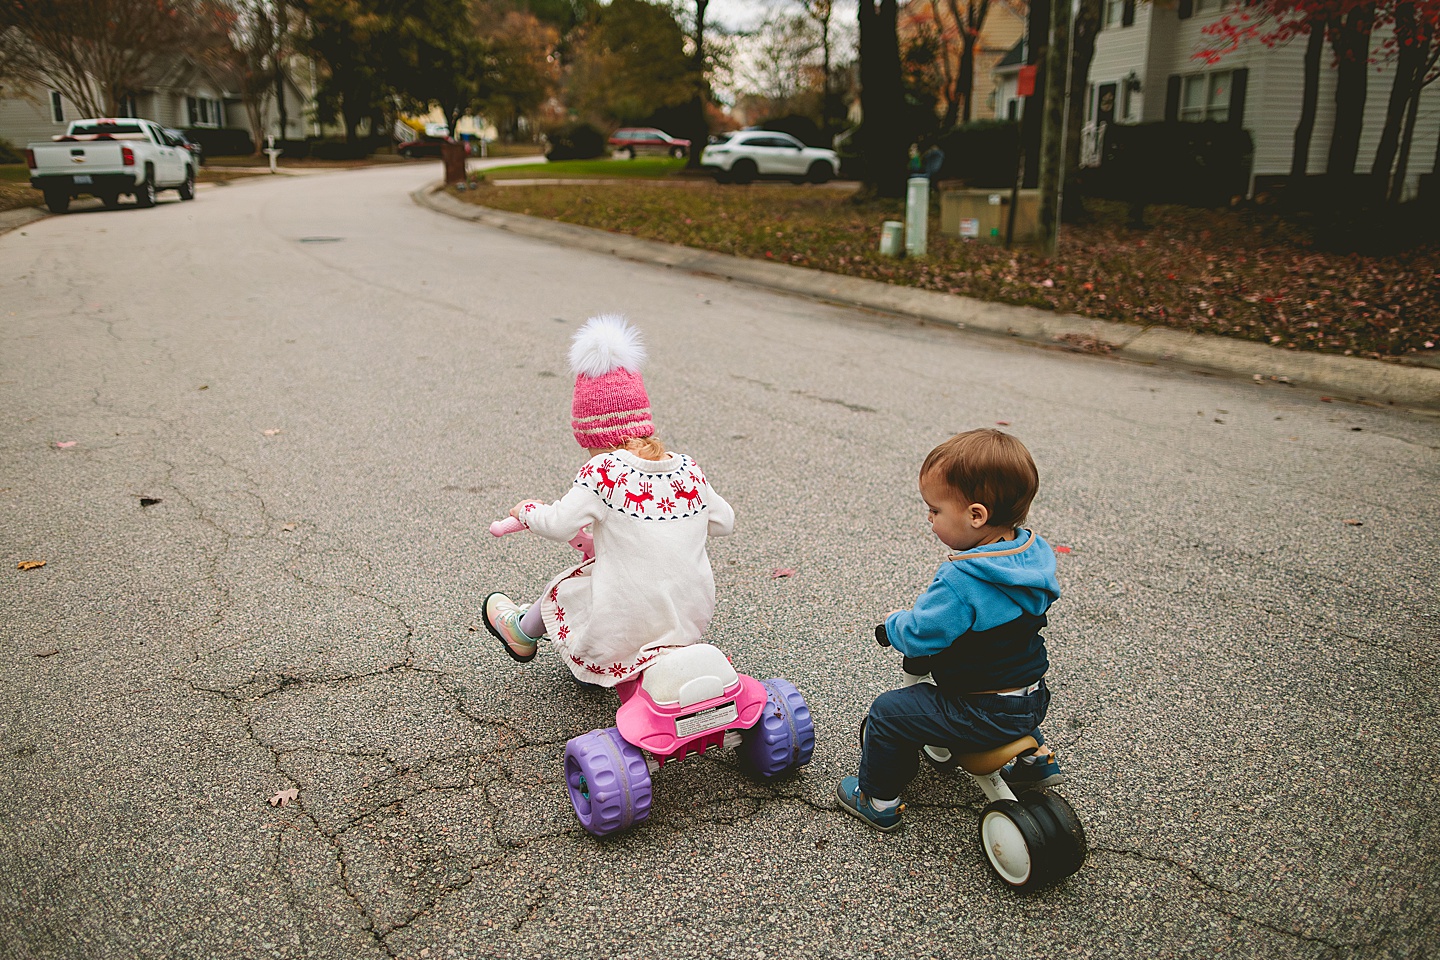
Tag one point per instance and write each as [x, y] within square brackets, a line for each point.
[1412, 47]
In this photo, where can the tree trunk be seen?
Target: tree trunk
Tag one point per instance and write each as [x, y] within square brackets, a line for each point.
[951, 84]
[1408, 61]
[1309, 100]
[882, 100]
[1037, 30]
[1082, 52]
[1352, 49]
[965, 80]
[1407, 139]
[699, 131]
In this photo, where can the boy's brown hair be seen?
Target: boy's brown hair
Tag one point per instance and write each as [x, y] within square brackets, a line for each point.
[989, 467]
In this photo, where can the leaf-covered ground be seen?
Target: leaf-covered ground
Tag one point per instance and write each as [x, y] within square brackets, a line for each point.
[1237, 273]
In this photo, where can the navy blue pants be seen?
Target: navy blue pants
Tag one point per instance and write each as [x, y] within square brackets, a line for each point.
[903, 720]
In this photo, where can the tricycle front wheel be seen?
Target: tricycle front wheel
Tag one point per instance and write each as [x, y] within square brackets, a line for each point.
[608, 781]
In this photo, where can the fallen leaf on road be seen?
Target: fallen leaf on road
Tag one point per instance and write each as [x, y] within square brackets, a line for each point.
[1003, 423]
[47, 653]
[1354, 523]
[287, 526]
[1059, 549]
[30, 564]
[149, 501]
[66, 444]
[779, 572]
[272, 431]
[283, 797]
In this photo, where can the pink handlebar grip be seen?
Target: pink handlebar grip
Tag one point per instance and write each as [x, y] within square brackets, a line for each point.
[509, 525]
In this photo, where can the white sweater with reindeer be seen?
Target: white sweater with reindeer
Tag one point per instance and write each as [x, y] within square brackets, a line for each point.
[649, 585]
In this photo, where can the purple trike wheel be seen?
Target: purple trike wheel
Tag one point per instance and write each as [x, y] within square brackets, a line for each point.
[783, 738]
[608, 781]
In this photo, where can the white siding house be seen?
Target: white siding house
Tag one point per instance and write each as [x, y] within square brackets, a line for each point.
[1145, 69]
[178, 93]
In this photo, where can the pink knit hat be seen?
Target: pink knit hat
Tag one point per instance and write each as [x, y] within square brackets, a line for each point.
[610, 404]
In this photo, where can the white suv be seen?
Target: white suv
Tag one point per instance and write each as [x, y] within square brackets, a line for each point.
[746, 154]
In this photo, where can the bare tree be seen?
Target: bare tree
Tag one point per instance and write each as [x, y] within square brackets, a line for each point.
[96, 52]
[820, 11]
[244, 46]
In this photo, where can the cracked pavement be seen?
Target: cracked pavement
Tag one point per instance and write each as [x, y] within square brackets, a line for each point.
[265, 545]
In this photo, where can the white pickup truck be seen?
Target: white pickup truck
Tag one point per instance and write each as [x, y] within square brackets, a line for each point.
[107, 158]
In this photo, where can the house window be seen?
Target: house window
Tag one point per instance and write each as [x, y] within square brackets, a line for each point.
[204, 112]
[1114, 12]
[1205, 96]
[127, 106]
[57, 107]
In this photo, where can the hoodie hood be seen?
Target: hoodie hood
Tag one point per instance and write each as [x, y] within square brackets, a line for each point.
[1023, 569]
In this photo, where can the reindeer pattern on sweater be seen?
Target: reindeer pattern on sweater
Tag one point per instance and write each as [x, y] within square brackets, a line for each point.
[649, 585]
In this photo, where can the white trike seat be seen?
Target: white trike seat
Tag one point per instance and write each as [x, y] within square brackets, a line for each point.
[689, 674]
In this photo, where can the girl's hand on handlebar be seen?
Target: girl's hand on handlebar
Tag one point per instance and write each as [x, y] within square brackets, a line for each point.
[518, 511]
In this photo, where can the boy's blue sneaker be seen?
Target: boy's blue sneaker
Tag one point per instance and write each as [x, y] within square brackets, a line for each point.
[855, 803]
[1026, 772]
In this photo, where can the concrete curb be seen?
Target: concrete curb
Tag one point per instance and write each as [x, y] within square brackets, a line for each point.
[15, 219]
[1347, 378]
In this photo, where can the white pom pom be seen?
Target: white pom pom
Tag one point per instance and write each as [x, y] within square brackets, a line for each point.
[606, 343]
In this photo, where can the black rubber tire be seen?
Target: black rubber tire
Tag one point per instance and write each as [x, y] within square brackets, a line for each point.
[626, 153]
[1017, 875]
[1065, 844]
[743, 171]
[677, 153]
[187, 189]
[145, 192]
[57, 201]
[110, 200]
[820, 172]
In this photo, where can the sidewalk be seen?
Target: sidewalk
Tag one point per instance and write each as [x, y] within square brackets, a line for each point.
[1335, 377]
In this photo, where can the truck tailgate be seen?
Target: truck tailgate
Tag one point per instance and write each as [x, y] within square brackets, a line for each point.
[69, 158]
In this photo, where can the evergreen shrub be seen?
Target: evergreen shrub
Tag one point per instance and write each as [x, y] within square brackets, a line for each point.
[575, 141]
[222, 141]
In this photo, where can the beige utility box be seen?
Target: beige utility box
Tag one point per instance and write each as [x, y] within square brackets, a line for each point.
[983, 214]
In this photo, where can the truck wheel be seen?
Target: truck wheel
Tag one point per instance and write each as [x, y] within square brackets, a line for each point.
[187, 189]
[145, 192]
[58, 201]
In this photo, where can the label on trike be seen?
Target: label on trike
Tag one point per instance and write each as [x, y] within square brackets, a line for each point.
[695, 723]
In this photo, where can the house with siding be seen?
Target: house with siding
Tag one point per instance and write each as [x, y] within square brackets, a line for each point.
[1146, 69]
[179, 93]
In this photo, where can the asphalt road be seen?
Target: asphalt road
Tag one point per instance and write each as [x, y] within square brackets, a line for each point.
[256, 440]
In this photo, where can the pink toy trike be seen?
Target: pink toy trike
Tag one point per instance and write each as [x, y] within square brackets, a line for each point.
[687, 702]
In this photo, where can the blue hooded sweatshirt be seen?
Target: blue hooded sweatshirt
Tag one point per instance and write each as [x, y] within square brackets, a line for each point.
[977, 627]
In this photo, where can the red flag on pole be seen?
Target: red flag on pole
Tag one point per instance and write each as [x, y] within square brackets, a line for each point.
[1026, 81]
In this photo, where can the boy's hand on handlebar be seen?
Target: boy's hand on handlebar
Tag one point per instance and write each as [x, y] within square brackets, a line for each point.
[881, 636]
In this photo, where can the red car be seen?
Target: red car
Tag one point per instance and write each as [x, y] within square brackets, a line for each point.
[628, 142]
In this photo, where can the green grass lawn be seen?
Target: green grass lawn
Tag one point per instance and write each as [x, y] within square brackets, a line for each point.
[641, 168]
[1243, 273]
[14, 173]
